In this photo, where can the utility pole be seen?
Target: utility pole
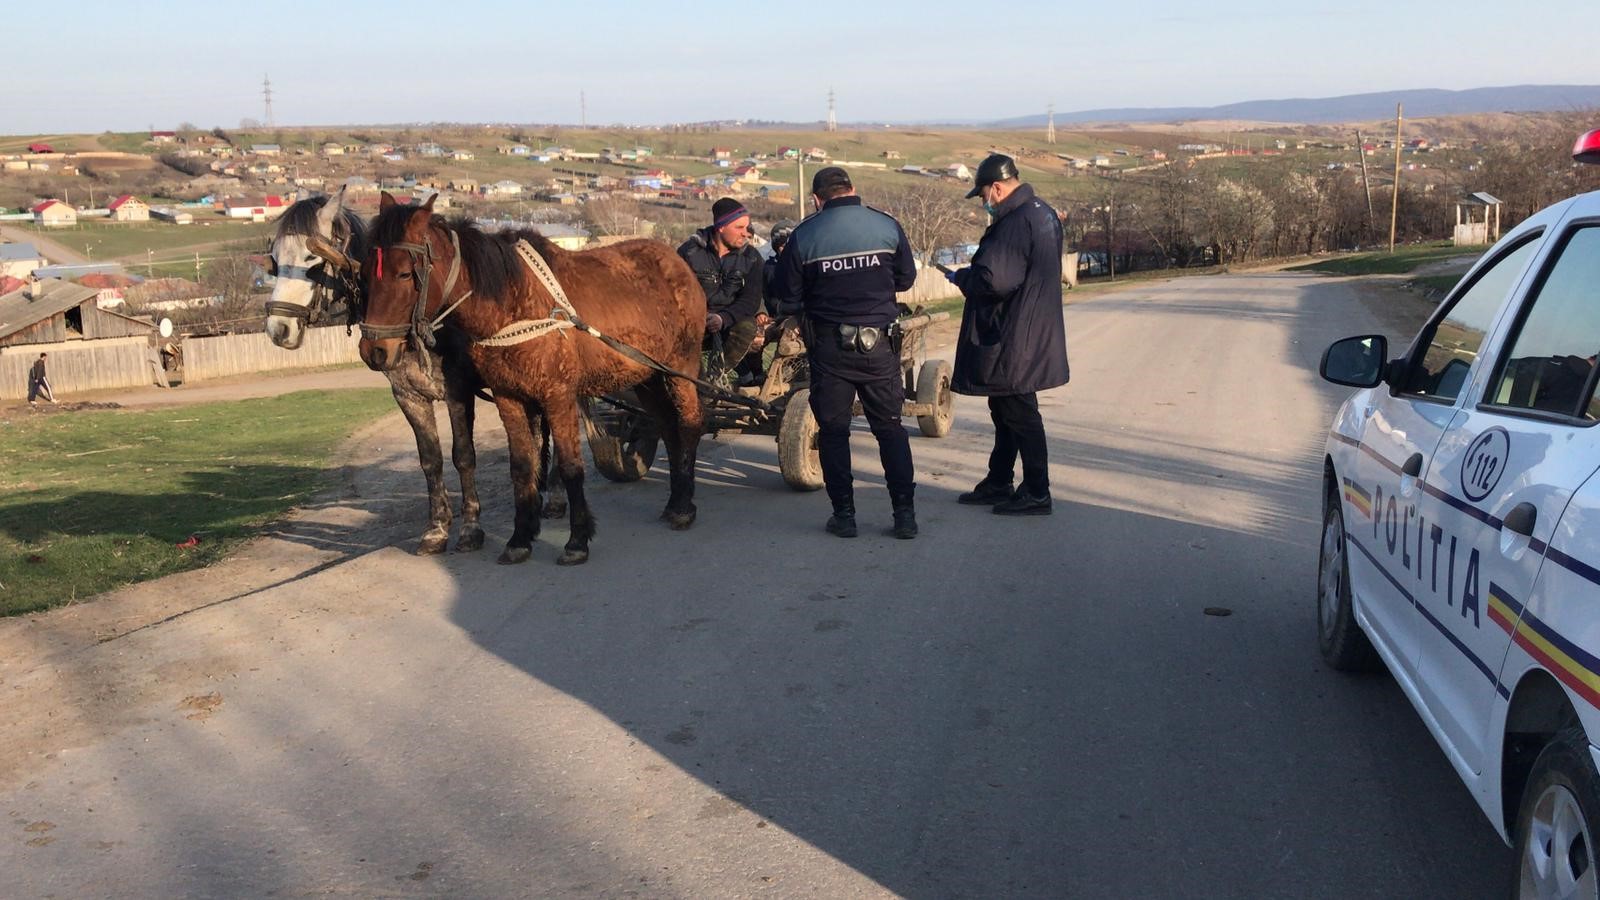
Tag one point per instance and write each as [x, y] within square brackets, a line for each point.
[1361, 154]
[800, 184]
[1394, 207]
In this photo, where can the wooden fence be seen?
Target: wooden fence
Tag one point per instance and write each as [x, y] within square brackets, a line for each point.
[242, 354]
[78, 365]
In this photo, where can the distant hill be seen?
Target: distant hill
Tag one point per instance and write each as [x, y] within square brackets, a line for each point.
[1351, 108]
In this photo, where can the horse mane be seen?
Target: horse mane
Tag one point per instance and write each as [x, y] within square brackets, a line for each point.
[300, 220]
[490, 259]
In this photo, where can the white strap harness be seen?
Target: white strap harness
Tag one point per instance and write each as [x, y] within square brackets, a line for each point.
[562, 317]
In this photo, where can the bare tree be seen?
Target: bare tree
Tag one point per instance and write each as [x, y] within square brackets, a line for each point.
[613, 215]
[932, 215]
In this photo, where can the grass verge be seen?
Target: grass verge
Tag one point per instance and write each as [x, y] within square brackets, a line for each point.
[1401, 261]
[94, 500]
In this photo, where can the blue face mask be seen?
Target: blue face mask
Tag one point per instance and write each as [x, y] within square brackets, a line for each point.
[989, 209]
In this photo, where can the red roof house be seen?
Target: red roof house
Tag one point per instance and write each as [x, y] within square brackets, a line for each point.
[40, 148]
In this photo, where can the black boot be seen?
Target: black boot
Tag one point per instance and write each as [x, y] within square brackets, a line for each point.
[987, 493]
[843, 521]
[905, 518]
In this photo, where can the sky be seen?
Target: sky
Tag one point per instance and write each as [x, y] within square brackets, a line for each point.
[132, 66]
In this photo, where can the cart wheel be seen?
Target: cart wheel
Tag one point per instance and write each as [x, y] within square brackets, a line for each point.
[626, 456]
[797, 444]
[933, 387]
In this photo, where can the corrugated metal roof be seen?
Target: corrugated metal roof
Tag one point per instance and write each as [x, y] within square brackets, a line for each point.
[18, 310]
[1484, 198]
[19, 251]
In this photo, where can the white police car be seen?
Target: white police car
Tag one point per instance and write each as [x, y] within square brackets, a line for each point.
[1461, 533]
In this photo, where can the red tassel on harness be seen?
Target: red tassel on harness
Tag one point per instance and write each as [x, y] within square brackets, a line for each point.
[379, 274]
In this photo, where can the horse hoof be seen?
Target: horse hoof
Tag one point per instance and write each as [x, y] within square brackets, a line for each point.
[510, 556]
[470, 540]
[571, 557]
[432, 546]
[555, 510]
[678, 521]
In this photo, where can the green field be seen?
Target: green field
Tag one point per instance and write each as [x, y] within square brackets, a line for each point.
[1401, 261]
[94, 500]
[130, 241]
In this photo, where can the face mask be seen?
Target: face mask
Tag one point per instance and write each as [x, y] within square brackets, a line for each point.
[989, 209]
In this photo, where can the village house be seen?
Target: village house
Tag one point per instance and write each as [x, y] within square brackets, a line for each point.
[721, 153]
[462, 155]
[54, 214]
[40, 148]
[505, 188]
[19, 260]
[816, 154]
[163, 137]
[891, 154]
[747, 173]
[174, 216]
[464, 185]
[265, 149]
[567, 237]
[428, 149]
[514, 149]
[958, 171]
[129, 208]
[332, 148]
[256, 209]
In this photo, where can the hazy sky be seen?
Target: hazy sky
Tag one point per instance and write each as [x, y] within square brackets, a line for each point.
[128, 66]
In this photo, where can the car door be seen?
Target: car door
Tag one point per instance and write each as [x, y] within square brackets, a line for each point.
[1501, 478]
[1404, 425]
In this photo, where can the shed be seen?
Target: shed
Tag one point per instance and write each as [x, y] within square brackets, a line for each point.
[51, 310]
[1472, 230]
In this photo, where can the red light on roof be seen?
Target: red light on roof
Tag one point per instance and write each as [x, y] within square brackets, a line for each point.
[1587, 149]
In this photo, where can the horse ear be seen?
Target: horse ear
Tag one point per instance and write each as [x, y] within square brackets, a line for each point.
[385, 201]
[429, 205]
[338, 199]
[328, 214]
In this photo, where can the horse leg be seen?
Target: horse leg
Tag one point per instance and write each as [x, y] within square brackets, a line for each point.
[568, 441]
[464, 453]
[554, 491]
[419, 415]
[663, 403]
[521, 422]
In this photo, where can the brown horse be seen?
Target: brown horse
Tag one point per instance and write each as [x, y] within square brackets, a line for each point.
[422, 270]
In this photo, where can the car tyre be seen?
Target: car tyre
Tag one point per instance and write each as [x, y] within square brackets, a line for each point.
[1344, 645]
[1557, 826]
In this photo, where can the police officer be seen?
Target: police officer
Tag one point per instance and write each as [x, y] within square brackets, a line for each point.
[729, 270]
[844, 265]
[1013, 342]
[778, 238]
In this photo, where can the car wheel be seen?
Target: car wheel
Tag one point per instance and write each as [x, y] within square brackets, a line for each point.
[1556, 826]
[1344, 645]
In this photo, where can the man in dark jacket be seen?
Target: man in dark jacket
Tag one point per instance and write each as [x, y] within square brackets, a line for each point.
[730, 272]
[39, 382]
[1013, 342]
[844, 265]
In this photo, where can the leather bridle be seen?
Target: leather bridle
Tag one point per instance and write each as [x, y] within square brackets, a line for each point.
[332, 278]
[419, 329]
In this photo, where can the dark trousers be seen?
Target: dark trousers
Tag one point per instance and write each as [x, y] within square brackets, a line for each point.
[1018, 429]
[736, 340]
[838, 376]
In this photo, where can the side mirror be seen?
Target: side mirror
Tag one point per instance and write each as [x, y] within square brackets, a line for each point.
[1356, 361]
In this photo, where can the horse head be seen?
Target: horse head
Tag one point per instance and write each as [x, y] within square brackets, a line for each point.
[404, 290]
[312, 265]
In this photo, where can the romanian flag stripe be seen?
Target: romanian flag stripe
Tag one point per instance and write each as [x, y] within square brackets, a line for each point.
[1575, 668]
[1358, 497]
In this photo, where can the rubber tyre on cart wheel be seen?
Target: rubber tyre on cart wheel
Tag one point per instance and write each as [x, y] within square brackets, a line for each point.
[798, 459]
[1344, 645]
[626, 457]
[1557, 825]
[933, 388]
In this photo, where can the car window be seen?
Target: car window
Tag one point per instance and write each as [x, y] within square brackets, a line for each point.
[1455, 339]
[1554, 347]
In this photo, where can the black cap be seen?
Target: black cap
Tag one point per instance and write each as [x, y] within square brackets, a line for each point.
[829, 178]
[995, 167]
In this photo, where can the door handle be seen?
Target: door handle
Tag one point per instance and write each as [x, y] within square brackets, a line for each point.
[1413, 466]
[1521, 519]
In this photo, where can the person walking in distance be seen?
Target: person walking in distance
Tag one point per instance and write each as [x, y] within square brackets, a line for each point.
[1013, 342]
[39, 382]
[844, 265]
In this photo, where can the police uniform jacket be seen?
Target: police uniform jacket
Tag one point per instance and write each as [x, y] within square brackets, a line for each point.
[1013, 340]
[732, 282]
[845, 264]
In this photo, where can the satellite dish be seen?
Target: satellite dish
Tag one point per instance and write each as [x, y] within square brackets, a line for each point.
[165, 327]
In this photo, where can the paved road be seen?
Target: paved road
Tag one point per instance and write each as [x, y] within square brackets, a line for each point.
[753, 708]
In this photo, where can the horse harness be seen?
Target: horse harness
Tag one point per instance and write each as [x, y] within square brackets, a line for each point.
[329, 279]
[563, 315]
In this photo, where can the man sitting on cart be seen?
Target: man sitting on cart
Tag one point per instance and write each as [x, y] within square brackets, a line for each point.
[730, 271]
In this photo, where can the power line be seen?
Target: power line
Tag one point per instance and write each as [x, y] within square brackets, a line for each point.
[266, 96]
